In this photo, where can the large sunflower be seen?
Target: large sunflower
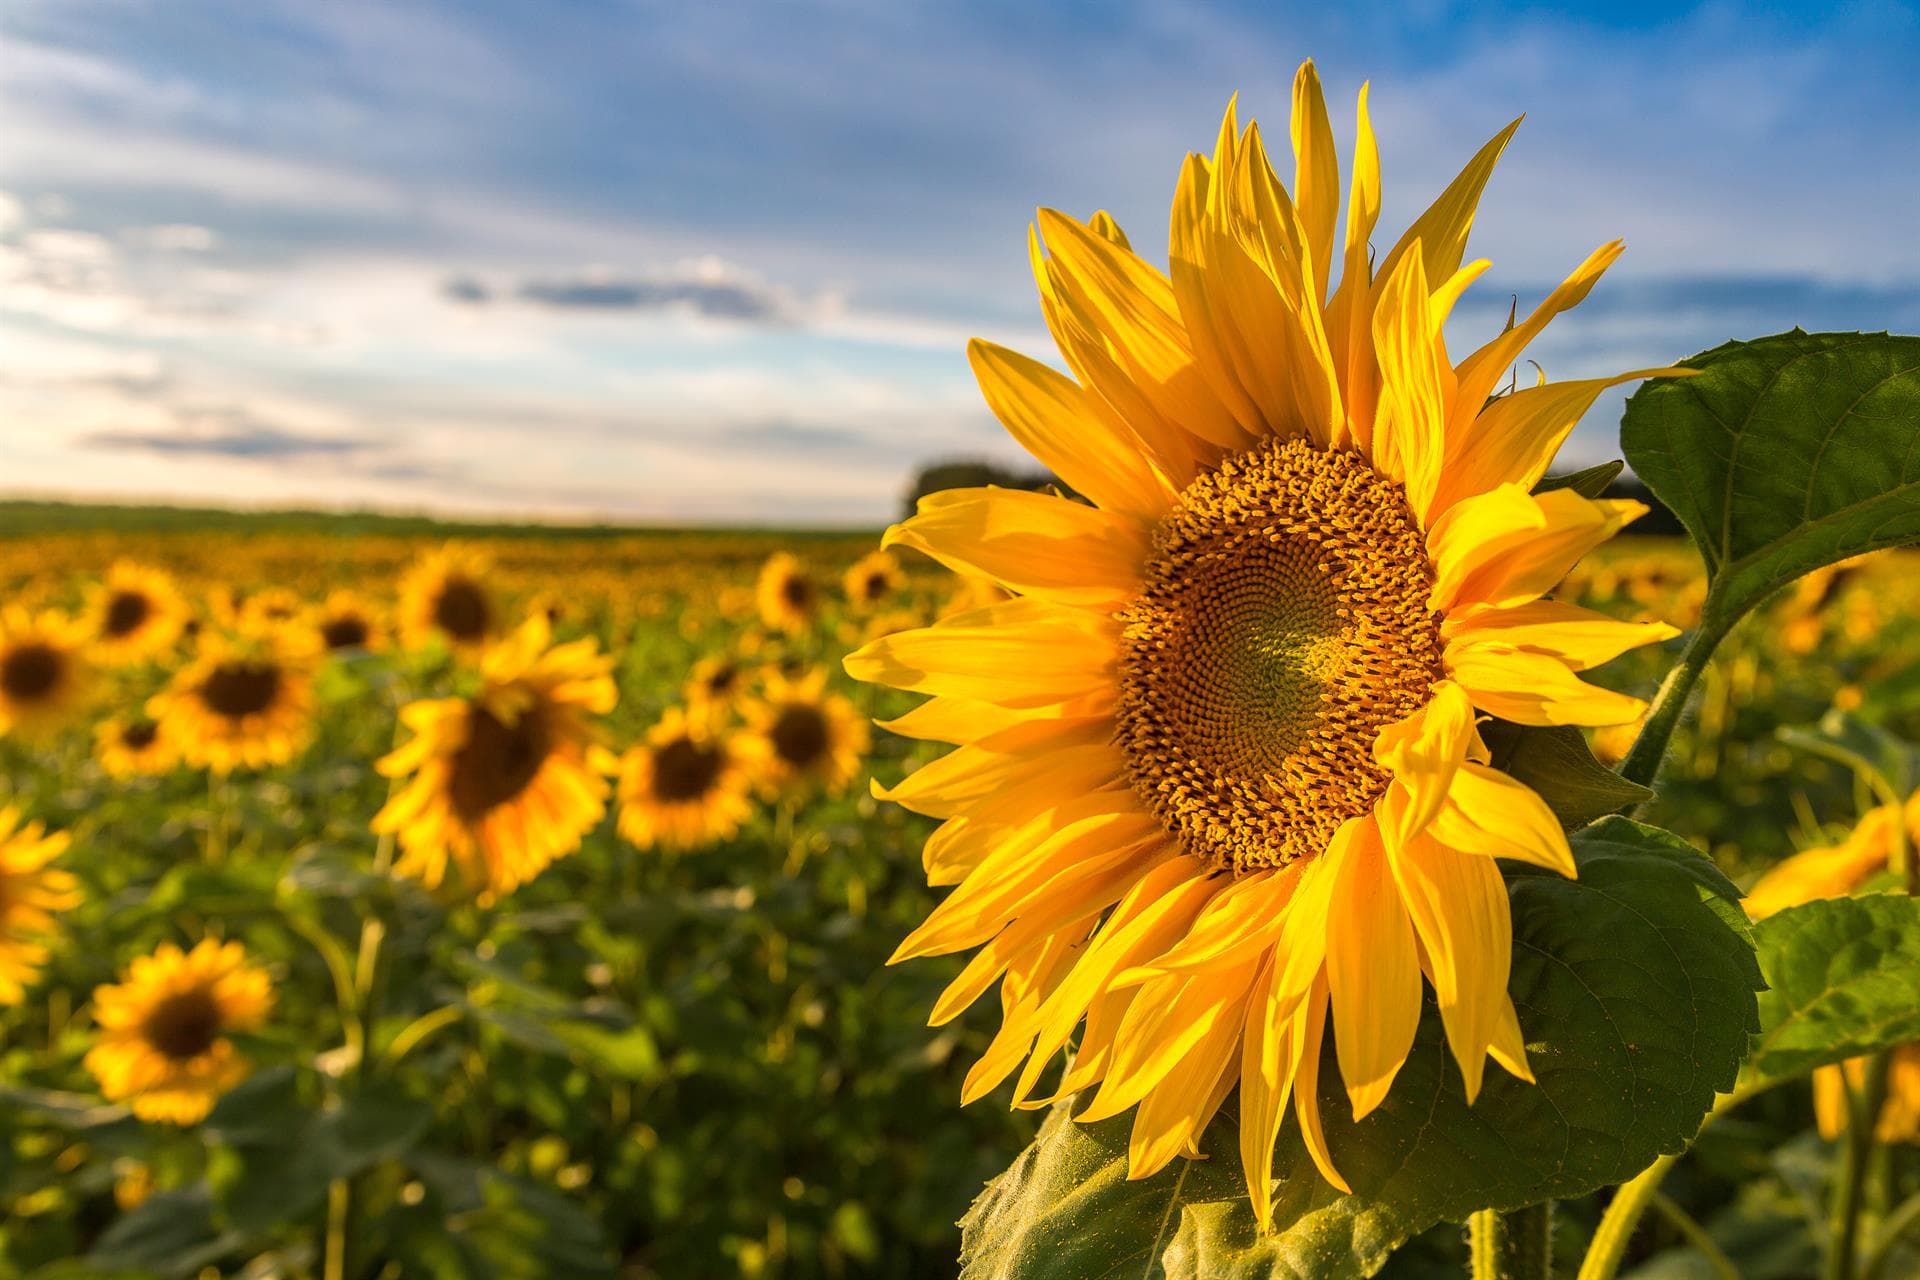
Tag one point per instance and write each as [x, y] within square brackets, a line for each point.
[808, 738]
[136, 613]
[245, 701]
[444, 599]
[32, 891]
[686, 785]
[44, 673]
[163, 1044]
[1218, 769]
[507, 780]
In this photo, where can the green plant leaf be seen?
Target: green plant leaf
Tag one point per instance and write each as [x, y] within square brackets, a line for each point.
[1785, 454]
[1889, 764]
[1557, 763]
[1841, 977]
[1588, 482]
[172, 1233]
[1635, 989]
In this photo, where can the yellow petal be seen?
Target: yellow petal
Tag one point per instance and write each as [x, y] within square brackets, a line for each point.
[1049, 414]
[1307, 1035]
[1578, 637]
[1031, 543]
[1017, 653]
[1409, 430]
[974, 772]
[1458, 905]
[1481, 372]
[1440, 234]
[1246, 917]
[1316, 173]
[1267, 1062]
[1169, 1019]
[1423, 751]
[1490, 814]
[1373, 975]
[1534, 688]
[1173, 1112]
[1530, 567]
[1832, 872]
[1350, 312]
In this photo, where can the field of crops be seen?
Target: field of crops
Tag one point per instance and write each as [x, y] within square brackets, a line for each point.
[646, 1026]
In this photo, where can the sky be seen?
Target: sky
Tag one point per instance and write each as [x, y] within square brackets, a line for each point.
[717, 263]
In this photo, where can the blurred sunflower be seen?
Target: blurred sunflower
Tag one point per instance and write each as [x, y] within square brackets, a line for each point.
[1218, 771]
[786, 595]
[507, 780]
[1834, 871]
[717, 681]
[244, 701]
[808, 737]
[444, 599]
[44, 672]
[347, 623]
[872, 581]
[135, 613]
[686, 785]
[32, 891]
[132, 746]
[268, 609]
[163, 1045]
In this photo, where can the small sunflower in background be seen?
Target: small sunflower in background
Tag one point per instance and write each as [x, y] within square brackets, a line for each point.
[809, 738]
[347, 623]
[503, 782]
[269, 609]
[32, 890]
[244, 701]
[686, 785]
[717, 681]
[163, 1045]
[136, 613]
[872, 581]
[444, 600]
[44, 672]
[133, 746]
[786, 594]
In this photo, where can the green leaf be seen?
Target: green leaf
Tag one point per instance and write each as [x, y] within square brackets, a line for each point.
[1557, 763]
[1840, 973]
[173, 1234]
[1589, 482]
[1888, 763]
[1636, 995]
[1786, 454]
[491, 1224]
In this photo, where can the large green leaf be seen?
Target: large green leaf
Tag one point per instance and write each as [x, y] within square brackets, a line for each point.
[1635, 987]
[1844, 979]
[1785, 454]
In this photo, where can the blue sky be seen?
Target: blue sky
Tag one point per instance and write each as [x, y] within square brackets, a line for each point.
[718, 262]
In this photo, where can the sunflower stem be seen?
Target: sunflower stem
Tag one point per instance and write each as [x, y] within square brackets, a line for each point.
[1849, 1193]
[1512, 1246]
[1609, 1245]
[1650, 747]
[1696, 1235]
[1896, 1227]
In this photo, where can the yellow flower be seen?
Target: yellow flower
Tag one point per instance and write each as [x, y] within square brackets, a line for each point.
[267, 610]
[347, 623]
[786, 594]
[686, 786]
[132, 746]
[1834, 871]
[717, 681]
[136, 613]
[1217, 771]
[872, 580]
[507, 780]
[32, 891]
[444, 599]
[807, 737]
[245, 701]
[44, 675]
[163, 1043]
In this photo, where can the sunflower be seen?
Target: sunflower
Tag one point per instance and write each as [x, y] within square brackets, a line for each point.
[44, 673]
[507, 780]
[1218, 770]
[31, 892]
[136, 613]
[347, 623]
[717, 681]
[1834, 871]
[872, 580]
[164, 1030]
[686, 785]
[444, 599]
[786, 594]
[808, 737]
[132, 746]
[268, 610]
[245, 701]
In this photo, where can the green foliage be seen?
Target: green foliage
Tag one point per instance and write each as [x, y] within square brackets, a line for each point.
[1784, 454]
[1556, 762]
[1635, 987]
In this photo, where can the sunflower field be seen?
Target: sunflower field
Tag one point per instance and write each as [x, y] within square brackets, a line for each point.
[1315, 838]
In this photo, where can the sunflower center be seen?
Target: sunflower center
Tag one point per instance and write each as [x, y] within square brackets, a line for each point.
[31, 671]
[139, 734]
[1284, 623]
[722, 680]
[876, 587]
[797, 591]
[684, 770]
[344, 632]
[498, 760]
[183, 1025]
[799, 735]
[238, 689]
[126, 610]
[461, 609]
